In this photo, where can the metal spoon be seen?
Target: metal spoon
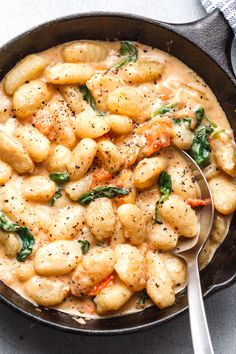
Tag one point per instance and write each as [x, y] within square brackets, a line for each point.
[189, 250]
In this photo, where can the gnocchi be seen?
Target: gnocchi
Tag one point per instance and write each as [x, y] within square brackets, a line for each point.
[73, 97]
[112, 298]
[35, 143]
[25, 271]
[27, 69]
[121, 125]
[64, 73]
[133, 223]
[82, 158]
[159, 284]
[95, 266]
[64, 132]
[13, 153]
[184, 183]
[100, 218]
[142, 71]
[15, 207]
[66, 223]
[76, 189]
[94, 192]
[148, 170]
[57, 258]
[109, 155]
[38, 188]
[79, 52]
[5, 172]
[11, 244]
[176, 269]
[162, 236]
[224, 152]
[5, 107]
[58, 158]
[130, 266]
[30, 97]
[101, 86]
[183, 136]
[45, 291]
[224, 202]
[124, 100]
[180, 215]
[88, 124]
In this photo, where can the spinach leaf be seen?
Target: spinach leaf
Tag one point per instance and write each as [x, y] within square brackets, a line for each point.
[126, 49]
[142, 298]
[130, 49]
[199, 114]
[59, 177]
[24, 233]
[5, 225]
[121, 63]
[56, 196]
[164, 109]
[27, 239]
[84, 245]
[102, 192]
[88, 97]
[184, 120]
[177, 120]
[201, 149]
[165, 183]
[165, 186]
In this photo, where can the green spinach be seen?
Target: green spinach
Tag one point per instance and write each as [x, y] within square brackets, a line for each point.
[88, 97]
[59, 177]
[102, 192]
[168, 108]
[56, 196]
[27, 240]
[7, 226]
[201, 149]
[199, 115]
[165, 186]
[24, 233]
[126, 49]
[187, 120]
[84, 245]
[142, 298]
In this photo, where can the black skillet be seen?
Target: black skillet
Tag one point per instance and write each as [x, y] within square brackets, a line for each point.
[207, 51]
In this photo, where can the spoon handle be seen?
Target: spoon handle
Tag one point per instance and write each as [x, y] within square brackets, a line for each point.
[199, 328]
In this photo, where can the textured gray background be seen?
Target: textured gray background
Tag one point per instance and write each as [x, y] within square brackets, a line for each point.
[20, 335]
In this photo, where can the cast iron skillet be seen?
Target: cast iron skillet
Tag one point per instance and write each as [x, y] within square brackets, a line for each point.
[213, 35]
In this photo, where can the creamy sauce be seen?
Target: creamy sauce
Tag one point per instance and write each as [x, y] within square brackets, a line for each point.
[177, 80]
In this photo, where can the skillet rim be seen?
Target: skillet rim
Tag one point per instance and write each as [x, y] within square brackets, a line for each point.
[171, 27]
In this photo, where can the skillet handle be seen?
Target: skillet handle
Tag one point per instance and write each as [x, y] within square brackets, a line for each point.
[212, 34]
[199, 328]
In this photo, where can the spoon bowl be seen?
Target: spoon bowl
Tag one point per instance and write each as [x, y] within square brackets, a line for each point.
[206, 215]
[189, 250]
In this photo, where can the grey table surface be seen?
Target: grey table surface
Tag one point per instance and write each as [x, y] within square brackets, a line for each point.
[20, 335]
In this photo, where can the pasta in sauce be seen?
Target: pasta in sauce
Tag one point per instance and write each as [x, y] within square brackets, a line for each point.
[94, 192]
